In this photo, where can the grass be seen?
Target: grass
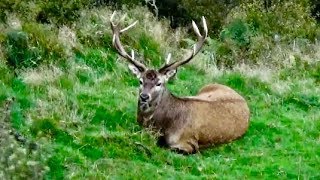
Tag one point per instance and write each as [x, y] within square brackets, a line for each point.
[87, 117]
[81, 112]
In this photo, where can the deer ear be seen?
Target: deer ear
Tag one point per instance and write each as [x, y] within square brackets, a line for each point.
[135, 70]
[169, 74]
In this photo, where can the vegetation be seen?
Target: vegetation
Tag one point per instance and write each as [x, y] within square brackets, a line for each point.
[68, 102]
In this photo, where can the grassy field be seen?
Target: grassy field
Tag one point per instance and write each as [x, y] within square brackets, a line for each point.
[76, 119]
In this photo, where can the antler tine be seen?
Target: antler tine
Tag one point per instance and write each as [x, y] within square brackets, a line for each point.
[112, 16]
[196, 47]
[116, 31]
[130, 26]
[168, 58]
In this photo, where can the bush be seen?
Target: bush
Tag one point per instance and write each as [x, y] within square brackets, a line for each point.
[237, 31]
[215, 11]
[58, 11]
[45, 38]
[288, 19]
[254, 31]
[61, 12]
[315, 5]
[18, 51]
[24, 9]
[31, 46]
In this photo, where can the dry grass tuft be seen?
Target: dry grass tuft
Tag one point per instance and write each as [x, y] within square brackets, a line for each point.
[263, 73]
[14, 22]
[41, 75]
[68, 39]
[281, 87]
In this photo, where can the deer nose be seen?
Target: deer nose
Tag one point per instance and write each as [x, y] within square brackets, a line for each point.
[144, 97]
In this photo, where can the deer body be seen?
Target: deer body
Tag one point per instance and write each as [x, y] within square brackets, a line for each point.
[216, 115]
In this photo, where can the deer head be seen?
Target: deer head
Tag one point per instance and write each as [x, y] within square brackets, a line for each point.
[152, 81]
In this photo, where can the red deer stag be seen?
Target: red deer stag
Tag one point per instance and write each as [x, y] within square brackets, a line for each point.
[218, 114]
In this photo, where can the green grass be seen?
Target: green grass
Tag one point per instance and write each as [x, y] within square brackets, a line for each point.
[87, 116]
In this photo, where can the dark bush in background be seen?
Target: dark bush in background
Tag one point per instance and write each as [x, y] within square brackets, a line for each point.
[180, 12]
[23, 8]
[31, 46]
[18, 51]
[315, 6]
[61, 12]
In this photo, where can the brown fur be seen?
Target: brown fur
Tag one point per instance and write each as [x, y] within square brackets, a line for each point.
[151, 75]
[216, 115]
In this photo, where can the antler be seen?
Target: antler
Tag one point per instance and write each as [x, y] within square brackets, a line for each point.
[196, 48]
[116, 31]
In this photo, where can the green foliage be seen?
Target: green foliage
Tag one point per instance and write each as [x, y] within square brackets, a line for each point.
[315, 9]
[303, 101]
[235, 41]
[18, 161]
[237, 31]
[18, 51]
[45, 38]
[214, 11]
[20, 157]
[150, 49]
[17, 118]
[62, 12]
[31, 46]
[24, 9]
[315, 73]
[55, 163]
[99, 59]
[6, 75]
[46, 127]
[224, 52]
[288, 19]
[58, 11]
[253, 31]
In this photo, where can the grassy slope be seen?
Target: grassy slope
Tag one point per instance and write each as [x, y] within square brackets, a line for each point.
[87, 116]
[82, 115]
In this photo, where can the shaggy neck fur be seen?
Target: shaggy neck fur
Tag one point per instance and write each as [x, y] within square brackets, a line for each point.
[147, 109]
[162, 112]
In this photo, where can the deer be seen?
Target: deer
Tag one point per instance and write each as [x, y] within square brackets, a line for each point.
[216, 115]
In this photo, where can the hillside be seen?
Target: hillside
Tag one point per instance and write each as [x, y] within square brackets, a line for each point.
[68, 102]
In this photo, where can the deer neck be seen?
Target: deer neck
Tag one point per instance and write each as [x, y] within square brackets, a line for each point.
[151, 107]
[162, 111]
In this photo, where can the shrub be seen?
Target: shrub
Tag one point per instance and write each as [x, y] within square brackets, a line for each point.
[20, 158]
[45, 38]
[92, 28]
[258, 34]
[215, 11]
[61, 12]
[315, 5]
[237, 31]
[18, 51]
[288, 19]
[24, 9]
[31, 46]
[19, 162]
[58, 11]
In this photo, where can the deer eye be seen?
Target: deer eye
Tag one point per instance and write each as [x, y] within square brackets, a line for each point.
[140, 82]
[158, 84]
